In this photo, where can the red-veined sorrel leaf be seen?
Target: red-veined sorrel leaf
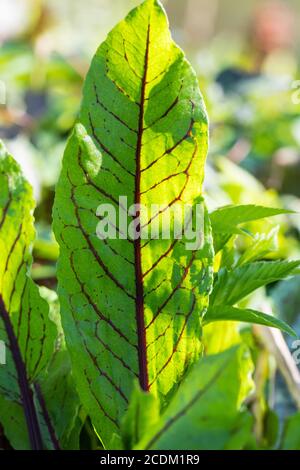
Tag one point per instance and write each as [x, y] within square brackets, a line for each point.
[132, 308]
[25, 327]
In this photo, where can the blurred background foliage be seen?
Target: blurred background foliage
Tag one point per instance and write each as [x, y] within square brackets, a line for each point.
[247, 57]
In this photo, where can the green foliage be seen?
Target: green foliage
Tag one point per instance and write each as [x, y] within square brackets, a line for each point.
[231, 286]
[148, 329]
[143, 413]
[290, 438]
[262, 245]
[206, 412]
[226, 220]
[27, 408]
[228, 313]
[142, 133]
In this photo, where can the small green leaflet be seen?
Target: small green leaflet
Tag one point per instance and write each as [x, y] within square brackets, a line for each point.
[25, 327]
[132, 309]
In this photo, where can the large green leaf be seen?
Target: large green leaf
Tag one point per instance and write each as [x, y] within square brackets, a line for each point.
[232, 286]
[206, 412]
[132, 308]
[25, 326]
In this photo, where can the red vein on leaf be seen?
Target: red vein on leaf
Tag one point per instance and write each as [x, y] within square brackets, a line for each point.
[142, 342]
[175, 347]
[34, 431]
[173, 292]
[46, 416]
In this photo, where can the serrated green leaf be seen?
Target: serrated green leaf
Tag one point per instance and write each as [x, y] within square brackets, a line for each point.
[132, 309]
[206, 412]
[227, 219]
[262, 245]
[228, 313]
[228, 255]
[232, 286]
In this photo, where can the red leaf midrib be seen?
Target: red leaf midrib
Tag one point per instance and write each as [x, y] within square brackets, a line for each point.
[140, 319]
[34, 431]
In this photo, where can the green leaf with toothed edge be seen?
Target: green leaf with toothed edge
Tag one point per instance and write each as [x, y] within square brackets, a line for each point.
[25, 327]
[233, 285]
[263, 244]
[131, 309]
[226, 220]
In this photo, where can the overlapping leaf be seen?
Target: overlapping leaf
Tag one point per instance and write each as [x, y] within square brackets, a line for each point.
[206, 412]
[228, 313]
[290, 439]
[233, 285]
[226, 220]
[25, 327]
[131, 308]
[262, 245]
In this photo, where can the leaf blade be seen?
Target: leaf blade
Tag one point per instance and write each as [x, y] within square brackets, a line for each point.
[227, 218]
[232, 286]
[228, 313]
[129, 143]
[196, 417]
[25, 325]
[22, 310]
